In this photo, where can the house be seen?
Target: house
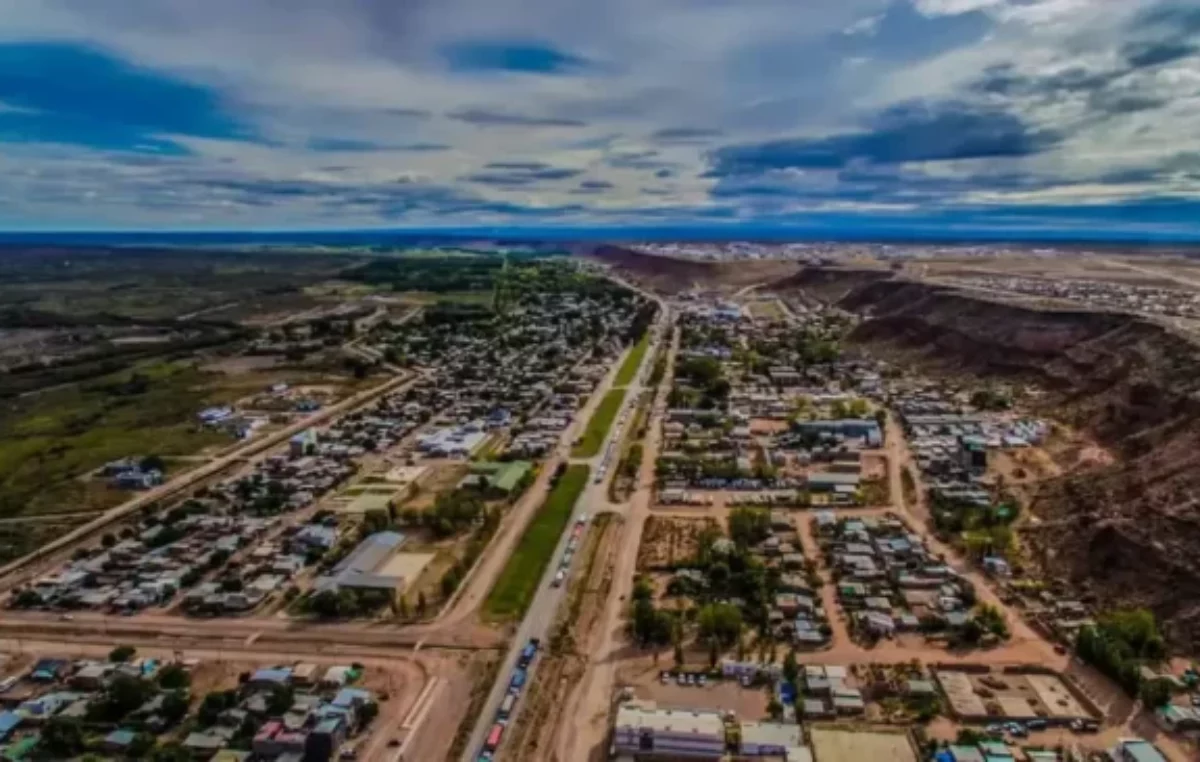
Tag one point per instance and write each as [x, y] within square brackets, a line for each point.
[9, 721]
[119, 741]
[1136, 750]
[877, 623]
[49, 670]
[270, 678]
[204, 744]
[770, 739]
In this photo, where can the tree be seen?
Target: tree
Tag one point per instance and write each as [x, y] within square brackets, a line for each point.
[62, 738]
[174, 677]
[1155, 693]
[153, 463]
[122, 696]
[174, 707]
[281, 700]
[121, 654]
[775, 709]
[108, 540]
[749, 526]
[402, 609]
[142, 744]
[791, 670]
[172, 752]
[721, 623]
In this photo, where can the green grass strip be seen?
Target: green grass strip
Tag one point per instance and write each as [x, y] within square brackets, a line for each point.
[599, 424]
[633, 361]
[514, 589]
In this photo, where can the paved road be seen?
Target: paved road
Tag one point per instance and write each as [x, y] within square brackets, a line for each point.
[546, 601]
[586, 724]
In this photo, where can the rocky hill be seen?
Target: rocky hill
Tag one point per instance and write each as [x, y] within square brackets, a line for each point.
[1128, 533]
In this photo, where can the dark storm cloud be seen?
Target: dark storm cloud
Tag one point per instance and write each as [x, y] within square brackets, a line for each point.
[911, 132]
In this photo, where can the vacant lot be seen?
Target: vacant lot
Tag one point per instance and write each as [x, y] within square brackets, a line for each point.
[668, 541]
[599, 424]
[49, 440]
[519, 580]
[633, 361]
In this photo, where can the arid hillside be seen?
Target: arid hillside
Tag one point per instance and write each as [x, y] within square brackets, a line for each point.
[1127, 533]
[670, 275]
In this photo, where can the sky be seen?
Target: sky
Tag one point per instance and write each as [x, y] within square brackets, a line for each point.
[979, 116]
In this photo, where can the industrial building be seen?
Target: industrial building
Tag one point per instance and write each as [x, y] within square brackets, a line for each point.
[368, 566]
[645, 730]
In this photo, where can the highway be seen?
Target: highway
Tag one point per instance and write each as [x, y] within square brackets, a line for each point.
[541, 614]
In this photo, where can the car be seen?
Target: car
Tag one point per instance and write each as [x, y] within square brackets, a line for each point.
[746, 681]
[393, 743]
[67, 617]
[665, 677]
[558, 578]
[681, 679]
[996, 731]
[701, 680]
[691, 679]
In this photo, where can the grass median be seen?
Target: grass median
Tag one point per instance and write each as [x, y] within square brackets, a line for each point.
[519, 579]
[633, 361]
[599, 424]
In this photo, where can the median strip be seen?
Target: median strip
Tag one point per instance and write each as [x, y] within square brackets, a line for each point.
[599, 424]
[517, 583]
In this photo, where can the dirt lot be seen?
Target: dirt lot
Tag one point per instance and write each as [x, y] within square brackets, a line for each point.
[442, 475]
[642, 674]
[668, 540]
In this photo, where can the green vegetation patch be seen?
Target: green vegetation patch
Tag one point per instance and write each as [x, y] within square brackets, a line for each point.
[514, 589]
[49, 440]
[633, 361]
[599, 424]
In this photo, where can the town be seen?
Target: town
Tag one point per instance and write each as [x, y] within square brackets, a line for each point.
[566, 514]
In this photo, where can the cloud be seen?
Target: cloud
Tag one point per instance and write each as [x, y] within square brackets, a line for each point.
[592, 187]
[910, 132]
[160, 113]
[72, 94]
[685, 135]
[510, 56]
[520, 174]
[487, 118]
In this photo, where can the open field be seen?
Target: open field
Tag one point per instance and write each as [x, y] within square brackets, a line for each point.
[633, 361]
[47, 441]
[599, 424]
[514, 589]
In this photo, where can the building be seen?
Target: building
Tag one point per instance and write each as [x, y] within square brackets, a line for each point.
[302, 444]
[647, 731]
[367, 566]
[1136, 750]
[771, 739]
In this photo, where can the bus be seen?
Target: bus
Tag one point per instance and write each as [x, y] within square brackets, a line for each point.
[493, 739]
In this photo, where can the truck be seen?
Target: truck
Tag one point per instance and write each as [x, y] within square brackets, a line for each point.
[527, 653]
[518, 679]
[494, 736]
[506, 706]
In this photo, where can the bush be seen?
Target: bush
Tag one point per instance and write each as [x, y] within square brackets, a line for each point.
[121, 654]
